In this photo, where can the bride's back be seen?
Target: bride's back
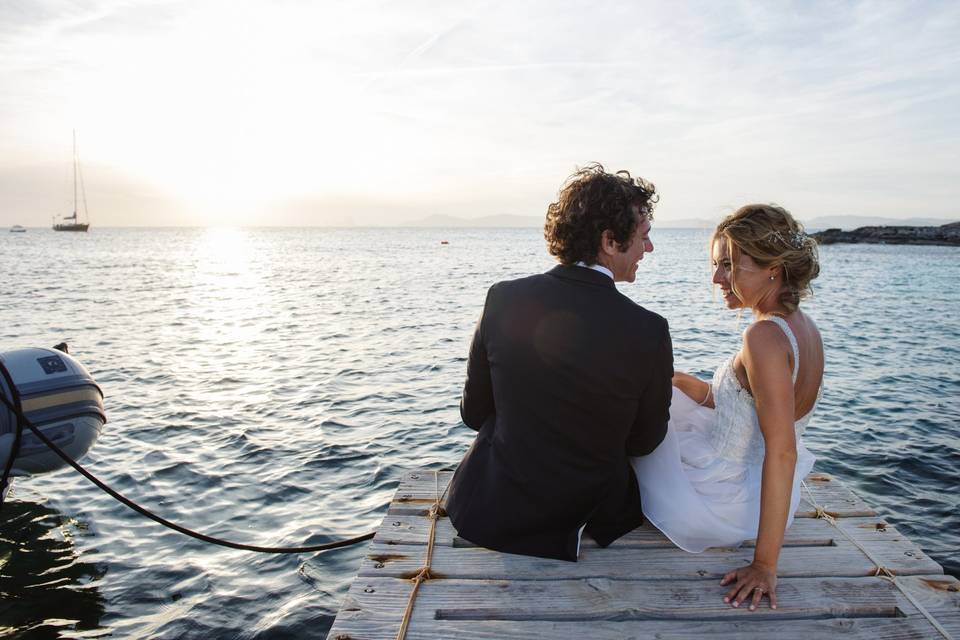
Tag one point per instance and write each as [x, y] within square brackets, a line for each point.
[810, 373]
[806, 389]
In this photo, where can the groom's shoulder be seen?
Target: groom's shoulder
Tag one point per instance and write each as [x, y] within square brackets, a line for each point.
[650, 320]
[522, 283]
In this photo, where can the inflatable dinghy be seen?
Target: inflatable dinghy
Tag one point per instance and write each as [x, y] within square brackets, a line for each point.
[59, 397]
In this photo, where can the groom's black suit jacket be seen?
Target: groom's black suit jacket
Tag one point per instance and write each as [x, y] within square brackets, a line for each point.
[567, 377]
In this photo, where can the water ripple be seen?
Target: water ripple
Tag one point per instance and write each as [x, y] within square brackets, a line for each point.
[272, 385]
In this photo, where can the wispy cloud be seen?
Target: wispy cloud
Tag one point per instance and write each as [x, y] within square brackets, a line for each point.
[471, 109]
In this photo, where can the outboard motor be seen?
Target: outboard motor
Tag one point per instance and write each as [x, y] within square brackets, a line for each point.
[59, 397]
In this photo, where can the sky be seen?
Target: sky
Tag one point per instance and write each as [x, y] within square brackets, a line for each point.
[295, 112]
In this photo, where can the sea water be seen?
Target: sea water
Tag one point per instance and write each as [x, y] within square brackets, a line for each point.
[270, 386]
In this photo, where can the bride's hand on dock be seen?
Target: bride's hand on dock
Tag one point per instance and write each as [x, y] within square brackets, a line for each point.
[751, 582]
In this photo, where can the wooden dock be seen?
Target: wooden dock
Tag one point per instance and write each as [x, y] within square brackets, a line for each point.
[642, 586]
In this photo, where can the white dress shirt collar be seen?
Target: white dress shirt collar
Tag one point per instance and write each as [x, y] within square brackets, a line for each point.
[597, 267]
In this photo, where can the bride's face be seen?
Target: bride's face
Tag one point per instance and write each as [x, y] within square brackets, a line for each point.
[742, 281]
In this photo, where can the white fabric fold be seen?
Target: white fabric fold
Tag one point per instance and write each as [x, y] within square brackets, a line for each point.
[695, 496]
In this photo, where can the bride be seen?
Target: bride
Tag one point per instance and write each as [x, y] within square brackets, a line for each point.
[731, 464]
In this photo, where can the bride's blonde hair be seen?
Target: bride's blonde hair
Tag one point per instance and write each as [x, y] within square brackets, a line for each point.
[771, 237]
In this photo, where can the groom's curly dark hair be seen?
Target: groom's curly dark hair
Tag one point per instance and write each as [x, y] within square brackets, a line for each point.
[590, 202]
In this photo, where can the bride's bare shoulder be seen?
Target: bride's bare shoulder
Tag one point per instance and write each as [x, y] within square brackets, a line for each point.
[764, 339]
[763, 332]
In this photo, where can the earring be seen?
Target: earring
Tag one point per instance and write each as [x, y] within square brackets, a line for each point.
[772, 278]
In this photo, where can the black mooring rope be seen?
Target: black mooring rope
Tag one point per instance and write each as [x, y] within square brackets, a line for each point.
[17, 436]
[7, 468]
[145, 512]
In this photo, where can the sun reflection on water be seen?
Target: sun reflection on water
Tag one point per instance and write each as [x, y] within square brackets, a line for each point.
[222, 309]
[224, 251]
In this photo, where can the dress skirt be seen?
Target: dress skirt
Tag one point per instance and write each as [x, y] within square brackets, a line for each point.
[695, 497]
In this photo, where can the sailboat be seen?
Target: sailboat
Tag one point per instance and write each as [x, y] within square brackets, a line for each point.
[71, 222]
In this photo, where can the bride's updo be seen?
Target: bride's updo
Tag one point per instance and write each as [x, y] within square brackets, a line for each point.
[771, 237]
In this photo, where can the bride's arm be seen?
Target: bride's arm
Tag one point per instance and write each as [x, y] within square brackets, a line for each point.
[695, 388]
[766, 356]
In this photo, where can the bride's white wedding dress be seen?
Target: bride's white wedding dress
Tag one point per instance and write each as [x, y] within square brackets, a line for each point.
[701, 486]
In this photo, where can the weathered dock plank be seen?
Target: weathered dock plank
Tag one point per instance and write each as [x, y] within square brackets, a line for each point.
[807, 532]
[418, 490]
[643, 586]
[603, 599]
[855, 629]
[840, 559]
[571, 608]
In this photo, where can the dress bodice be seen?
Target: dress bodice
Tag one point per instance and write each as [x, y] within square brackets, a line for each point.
[737, 433]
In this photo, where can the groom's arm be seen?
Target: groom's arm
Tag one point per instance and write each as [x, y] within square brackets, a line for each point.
[650, 426]
[477, 401]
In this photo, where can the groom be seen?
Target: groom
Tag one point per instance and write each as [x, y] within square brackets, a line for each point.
[566, 378]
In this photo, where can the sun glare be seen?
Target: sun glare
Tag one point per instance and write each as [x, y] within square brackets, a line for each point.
[230, 128]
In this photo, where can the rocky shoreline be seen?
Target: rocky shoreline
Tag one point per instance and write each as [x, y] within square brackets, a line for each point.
[948, 234]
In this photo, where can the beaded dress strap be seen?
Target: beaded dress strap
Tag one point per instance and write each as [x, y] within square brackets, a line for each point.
[780, 322]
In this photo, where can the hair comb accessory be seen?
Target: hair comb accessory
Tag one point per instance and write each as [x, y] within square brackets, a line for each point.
[796, 240]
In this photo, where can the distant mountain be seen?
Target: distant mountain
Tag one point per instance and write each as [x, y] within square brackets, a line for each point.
[812, 224]
[501, 221]
[684, 223]
[855, 222]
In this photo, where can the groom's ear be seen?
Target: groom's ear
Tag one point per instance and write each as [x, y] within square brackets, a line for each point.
[608, 245]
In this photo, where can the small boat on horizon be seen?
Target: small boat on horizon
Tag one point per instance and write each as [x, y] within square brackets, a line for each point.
[18, 229]
[71, 222]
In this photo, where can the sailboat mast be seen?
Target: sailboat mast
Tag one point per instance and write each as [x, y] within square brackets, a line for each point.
[72, 222]
[75, 176]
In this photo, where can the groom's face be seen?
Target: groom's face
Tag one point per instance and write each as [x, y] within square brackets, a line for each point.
[625, 263]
